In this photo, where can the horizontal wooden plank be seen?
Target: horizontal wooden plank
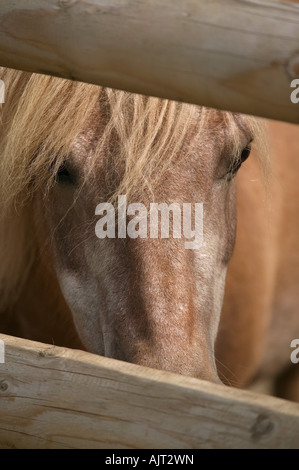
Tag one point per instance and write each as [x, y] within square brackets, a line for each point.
[233, 55]
[52, 397]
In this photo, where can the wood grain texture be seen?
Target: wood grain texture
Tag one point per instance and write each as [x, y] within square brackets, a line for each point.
[237, 55]
[53, 397]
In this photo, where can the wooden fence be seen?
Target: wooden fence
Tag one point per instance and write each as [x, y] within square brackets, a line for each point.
[237, 55]
[53, 397]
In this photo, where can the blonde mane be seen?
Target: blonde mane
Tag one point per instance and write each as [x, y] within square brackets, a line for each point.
[40, 120]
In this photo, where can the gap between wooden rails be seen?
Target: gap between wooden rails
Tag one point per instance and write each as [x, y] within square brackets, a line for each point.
[52, 397]
[236, 55]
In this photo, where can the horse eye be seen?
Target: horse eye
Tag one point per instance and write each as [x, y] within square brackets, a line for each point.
[245, 153]
[238, 162]
[65, 175]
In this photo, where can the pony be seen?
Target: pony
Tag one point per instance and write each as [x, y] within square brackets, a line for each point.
[225, 312]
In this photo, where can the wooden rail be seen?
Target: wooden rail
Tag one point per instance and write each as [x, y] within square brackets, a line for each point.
[52, 397]
[239, 55]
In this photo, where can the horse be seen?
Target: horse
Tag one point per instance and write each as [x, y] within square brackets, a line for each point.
[223, 312]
